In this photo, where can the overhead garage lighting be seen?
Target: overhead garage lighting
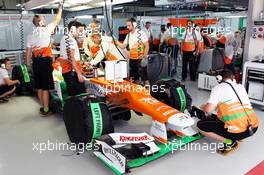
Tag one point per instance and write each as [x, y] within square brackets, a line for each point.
[115, 2]
[80, 1]
[241, 16]
[100, 17]
[118, 8]
[121, 1]
[78, 8]
[191, 1]
[38, 7]
[241, 8]
[36, 4]
[84, 17]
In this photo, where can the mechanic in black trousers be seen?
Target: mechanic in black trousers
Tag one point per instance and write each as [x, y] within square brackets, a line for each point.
[189, 50]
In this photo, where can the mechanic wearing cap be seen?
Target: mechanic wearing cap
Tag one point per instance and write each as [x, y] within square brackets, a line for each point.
[190, 51]
[39, 49]
[138, 44]
[235, 120]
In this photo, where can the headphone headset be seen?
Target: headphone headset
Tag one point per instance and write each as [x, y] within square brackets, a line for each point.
[219, 78]
[73, 30]
[134, 22]
[3, 66]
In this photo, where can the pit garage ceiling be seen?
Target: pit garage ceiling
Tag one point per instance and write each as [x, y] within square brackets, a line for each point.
[76, 5]
[193, 5]
[171, 2]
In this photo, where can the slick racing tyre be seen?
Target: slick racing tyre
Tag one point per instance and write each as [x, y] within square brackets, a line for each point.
[173, 93]
[86, 118]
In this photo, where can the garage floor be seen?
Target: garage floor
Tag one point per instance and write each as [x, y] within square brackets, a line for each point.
[21, 126]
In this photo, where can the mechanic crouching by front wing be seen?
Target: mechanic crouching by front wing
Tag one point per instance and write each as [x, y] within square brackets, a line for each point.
[38, 47]
[235, 120]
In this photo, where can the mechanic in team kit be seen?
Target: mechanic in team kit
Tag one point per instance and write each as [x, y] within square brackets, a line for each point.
[39, 49]
[107, 52]
[138, 44]
[235, 120]
[190, 50]
[7, 86]
[90, 48]
[70, 60]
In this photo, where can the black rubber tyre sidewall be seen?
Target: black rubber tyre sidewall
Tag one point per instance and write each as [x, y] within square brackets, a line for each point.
[81, 120]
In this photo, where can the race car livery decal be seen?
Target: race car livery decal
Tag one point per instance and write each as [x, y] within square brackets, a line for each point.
[57, 87]
[159, 131]
[97, 119]
[169, 112]
[150, 100]
[114, 154]
[131, 138]
[162, 107]
[95, 89]
[117, 160]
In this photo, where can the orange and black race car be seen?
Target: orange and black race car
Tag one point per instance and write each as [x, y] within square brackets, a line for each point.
[88, 118]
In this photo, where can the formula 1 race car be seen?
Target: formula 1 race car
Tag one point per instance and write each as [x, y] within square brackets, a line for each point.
[88, 118]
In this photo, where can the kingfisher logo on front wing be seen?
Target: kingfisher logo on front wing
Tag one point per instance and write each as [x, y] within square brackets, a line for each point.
[125, 139]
